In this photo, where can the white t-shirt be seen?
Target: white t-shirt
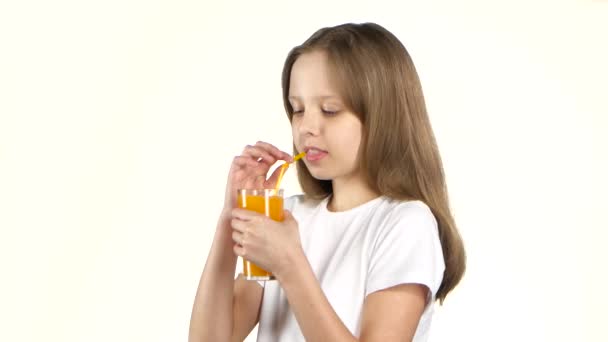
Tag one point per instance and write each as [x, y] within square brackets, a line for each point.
[353, 253]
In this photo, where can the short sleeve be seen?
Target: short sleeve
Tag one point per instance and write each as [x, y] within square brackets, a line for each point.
[406, 250]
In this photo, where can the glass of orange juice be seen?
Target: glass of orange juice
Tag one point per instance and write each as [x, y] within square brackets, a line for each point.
[268, 202]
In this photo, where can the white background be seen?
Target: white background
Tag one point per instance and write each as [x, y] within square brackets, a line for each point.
[118, 121]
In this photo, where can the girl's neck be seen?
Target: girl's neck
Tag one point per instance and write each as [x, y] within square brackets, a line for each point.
[349, 194]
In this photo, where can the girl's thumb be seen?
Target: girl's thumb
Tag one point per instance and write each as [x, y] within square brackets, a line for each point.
[287, 216]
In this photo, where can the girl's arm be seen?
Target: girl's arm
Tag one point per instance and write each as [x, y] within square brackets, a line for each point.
[388, 315]
[224, 309]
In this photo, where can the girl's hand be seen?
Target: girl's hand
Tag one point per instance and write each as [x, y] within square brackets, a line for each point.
[249, 170]
[270, 244]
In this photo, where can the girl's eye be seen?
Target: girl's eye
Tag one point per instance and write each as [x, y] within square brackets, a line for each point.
[297, 111]
[330, 112]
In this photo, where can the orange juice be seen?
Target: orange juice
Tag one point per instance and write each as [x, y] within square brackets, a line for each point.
[268, 202]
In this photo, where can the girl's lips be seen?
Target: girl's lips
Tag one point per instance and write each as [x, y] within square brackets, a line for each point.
[314, 155]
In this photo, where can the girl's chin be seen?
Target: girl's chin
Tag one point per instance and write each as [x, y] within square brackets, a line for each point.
[321, 176]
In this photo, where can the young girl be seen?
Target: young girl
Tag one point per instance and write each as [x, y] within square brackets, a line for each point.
[371, 244]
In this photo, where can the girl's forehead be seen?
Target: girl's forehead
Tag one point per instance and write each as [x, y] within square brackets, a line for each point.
[311, 78]
[312, 64]
[317, 97]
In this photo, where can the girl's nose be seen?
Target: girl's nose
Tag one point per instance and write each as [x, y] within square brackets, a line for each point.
[310, 123]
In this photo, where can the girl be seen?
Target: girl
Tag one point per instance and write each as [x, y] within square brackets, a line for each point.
[371, 244]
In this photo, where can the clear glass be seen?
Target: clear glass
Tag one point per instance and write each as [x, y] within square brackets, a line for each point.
[268, 202]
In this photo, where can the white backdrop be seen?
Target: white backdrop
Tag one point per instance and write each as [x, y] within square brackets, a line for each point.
[118, 121]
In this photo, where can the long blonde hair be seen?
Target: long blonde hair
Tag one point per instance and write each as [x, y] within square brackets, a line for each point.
[399, 155]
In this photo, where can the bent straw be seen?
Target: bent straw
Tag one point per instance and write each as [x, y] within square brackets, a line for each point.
[284, 168]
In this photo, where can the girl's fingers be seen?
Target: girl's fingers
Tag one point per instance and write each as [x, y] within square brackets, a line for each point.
[258, 181]
[255, 181]
[244, 161]
[237, 226]
[238, 250]
[251, 168]
[244, 214]
[260, 154]
[274, 151]
[247, 168]
[237, 237]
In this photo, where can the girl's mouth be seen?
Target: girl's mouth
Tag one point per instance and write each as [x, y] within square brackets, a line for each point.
[314, 154]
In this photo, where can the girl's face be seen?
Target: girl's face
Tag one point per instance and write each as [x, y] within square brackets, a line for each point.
[321, 124]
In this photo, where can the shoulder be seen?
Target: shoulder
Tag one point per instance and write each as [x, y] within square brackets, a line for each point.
[406, 248]
[397, 211]
[407, 217]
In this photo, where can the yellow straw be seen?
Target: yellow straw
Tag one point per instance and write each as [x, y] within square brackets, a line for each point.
[284, 168]
[299, 156]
